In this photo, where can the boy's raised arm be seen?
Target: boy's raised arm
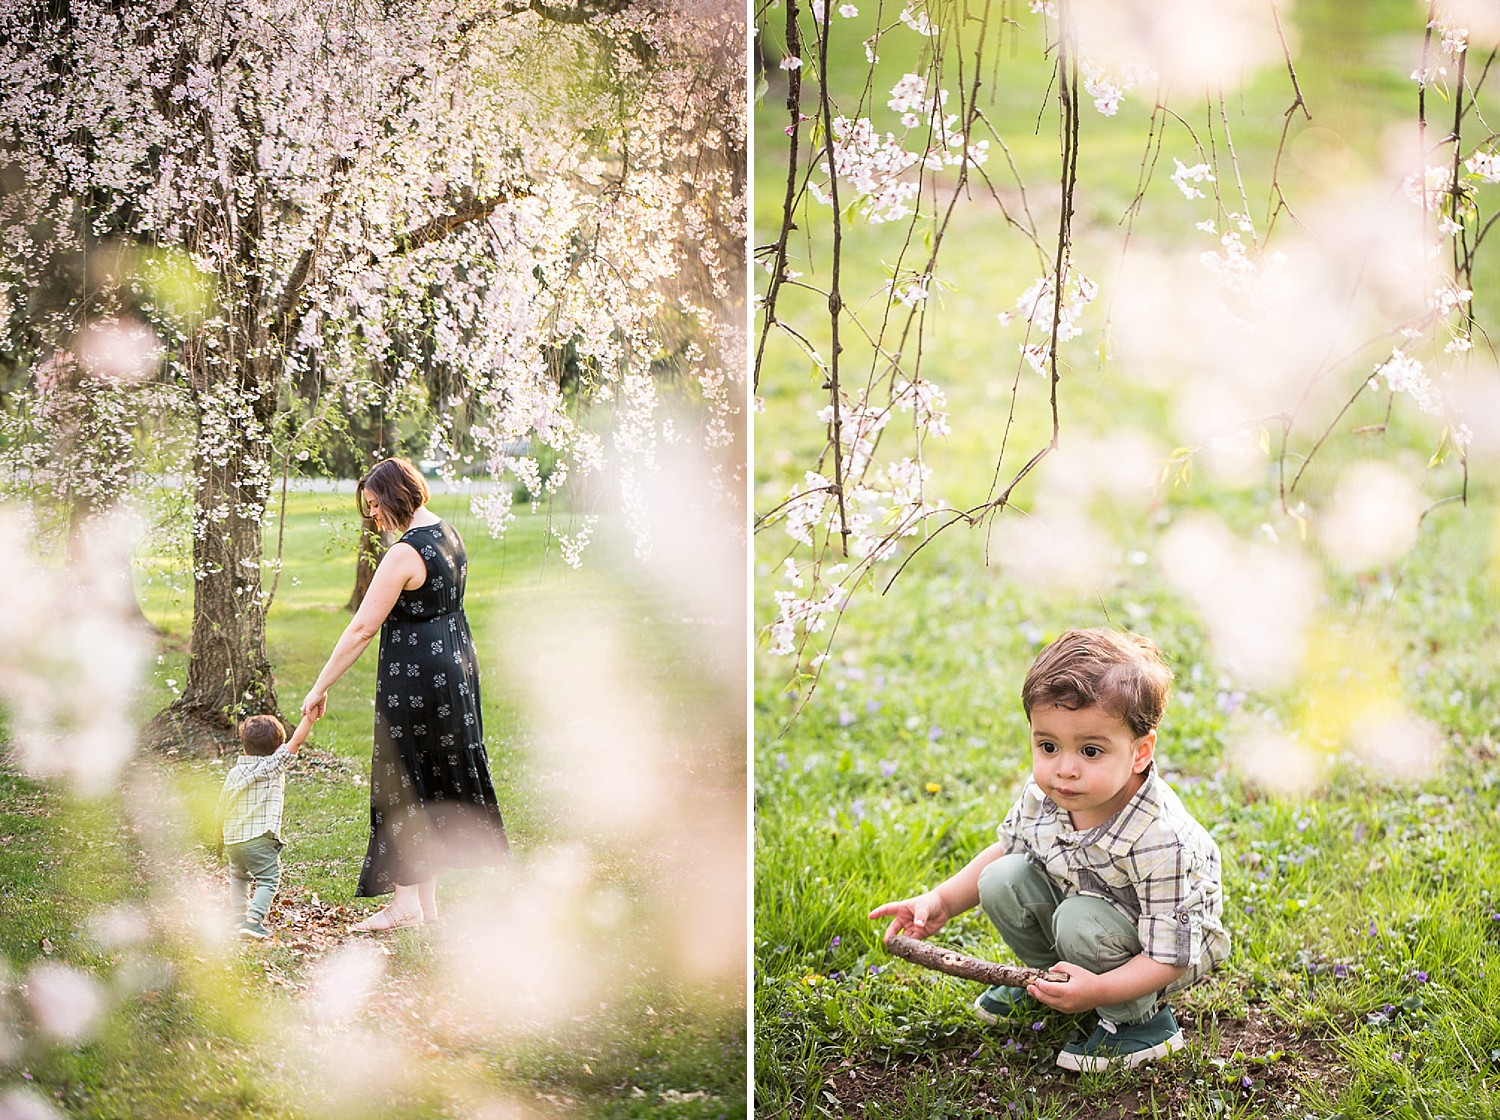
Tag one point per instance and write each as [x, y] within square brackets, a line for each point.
[299, 736]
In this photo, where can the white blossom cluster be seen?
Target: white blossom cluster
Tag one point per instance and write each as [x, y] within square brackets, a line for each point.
[873, 164]
[882, 505]
[1184, 177]
[1108, 87]
[877, 165]
[375, 192]
[1452, 42]
[1038, 307]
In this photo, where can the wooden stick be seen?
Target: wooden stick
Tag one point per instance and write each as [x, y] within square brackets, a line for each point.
[969, 968]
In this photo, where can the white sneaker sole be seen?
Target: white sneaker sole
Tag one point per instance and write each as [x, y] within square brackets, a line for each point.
[995, 1020]
[985, 1016]
[1086, 1063]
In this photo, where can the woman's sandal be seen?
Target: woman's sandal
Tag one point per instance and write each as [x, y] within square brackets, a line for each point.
[386, 919]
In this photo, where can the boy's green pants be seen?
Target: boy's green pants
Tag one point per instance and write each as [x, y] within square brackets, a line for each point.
[1042, 927]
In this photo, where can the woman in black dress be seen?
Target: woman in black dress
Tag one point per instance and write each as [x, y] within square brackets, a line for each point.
[432, 804]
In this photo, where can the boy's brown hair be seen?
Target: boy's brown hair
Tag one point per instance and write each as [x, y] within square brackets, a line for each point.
[261, 735]
[399, 488]
[1122, 673]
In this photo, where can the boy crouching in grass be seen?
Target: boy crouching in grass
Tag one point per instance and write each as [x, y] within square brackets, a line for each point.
[1099, 871]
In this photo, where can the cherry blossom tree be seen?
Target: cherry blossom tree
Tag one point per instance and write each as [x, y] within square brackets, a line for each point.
[1326, 297]
[294, 192]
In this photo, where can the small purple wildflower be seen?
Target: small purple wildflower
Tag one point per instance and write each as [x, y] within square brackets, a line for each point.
[1340, 972]
[1372, 927]
[1302, 823]
[846, 717]
[887, 768]
[781, 762]
[1420, 976]
[836, 942]
[934, 734]
[1229, 702]
[1038, 1025]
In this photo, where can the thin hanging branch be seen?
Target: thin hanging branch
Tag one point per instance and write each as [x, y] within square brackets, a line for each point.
[789, 201]
[835, 296]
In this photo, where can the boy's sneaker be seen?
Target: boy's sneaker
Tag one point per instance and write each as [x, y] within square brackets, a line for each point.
[1123, 1044]
[1003, 1001]
[251, 928]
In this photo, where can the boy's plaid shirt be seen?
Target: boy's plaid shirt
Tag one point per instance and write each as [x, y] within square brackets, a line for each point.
[254, 793]
[1152, 861]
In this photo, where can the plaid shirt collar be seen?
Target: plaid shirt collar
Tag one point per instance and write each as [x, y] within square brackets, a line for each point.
[1118, 835]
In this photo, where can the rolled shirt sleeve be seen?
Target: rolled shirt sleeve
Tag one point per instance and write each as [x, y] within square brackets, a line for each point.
[1177, 889]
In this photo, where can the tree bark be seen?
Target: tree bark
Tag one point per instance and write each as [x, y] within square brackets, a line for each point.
[968, 968]
[229, 672]
[372, 546]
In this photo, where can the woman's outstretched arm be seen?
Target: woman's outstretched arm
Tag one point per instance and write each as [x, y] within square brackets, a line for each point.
[399, 569]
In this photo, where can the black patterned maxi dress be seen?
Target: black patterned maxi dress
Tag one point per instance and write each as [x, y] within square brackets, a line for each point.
[432, 804]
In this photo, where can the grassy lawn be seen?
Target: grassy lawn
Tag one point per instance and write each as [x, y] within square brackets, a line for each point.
[557, 985]
[1364, 907]
[1365, 915]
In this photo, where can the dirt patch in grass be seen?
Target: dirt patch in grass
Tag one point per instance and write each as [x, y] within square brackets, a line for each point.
[1256, 1061]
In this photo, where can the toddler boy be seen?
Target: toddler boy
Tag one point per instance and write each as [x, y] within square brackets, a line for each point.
[250, 809]
[1099, 872]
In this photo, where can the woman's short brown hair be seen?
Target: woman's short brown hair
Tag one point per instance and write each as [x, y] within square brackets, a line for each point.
[1122, 673]
[399, 488]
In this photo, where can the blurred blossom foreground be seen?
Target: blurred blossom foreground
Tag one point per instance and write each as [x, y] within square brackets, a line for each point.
[632, 904]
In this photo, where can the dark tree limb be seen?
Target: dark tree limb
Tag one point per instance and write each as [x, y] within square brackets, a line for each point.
[469, 209]
[968, 968]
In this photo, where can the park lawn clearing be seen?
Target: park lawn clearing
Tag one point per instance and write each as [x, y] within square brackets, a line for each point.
[1364, 977]
[192, 1022]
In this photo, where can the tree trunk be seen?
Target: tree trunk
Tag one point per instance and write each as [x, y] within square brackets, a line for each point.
[229, 672]
[372, 546]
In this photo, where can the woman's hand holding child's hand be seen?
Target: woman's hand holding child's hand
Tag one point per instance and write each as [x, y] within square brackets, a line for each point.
[918, 917]
[315, 704]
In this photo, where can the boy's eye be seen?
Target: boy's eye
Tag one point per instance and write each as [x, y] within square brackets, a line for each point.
[1047, 748]
[1092, 752]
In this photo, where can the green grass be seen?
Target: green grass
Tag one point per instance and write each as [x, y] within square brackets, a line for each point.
[1363, 977]
[120, 887]
[1336, 901]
